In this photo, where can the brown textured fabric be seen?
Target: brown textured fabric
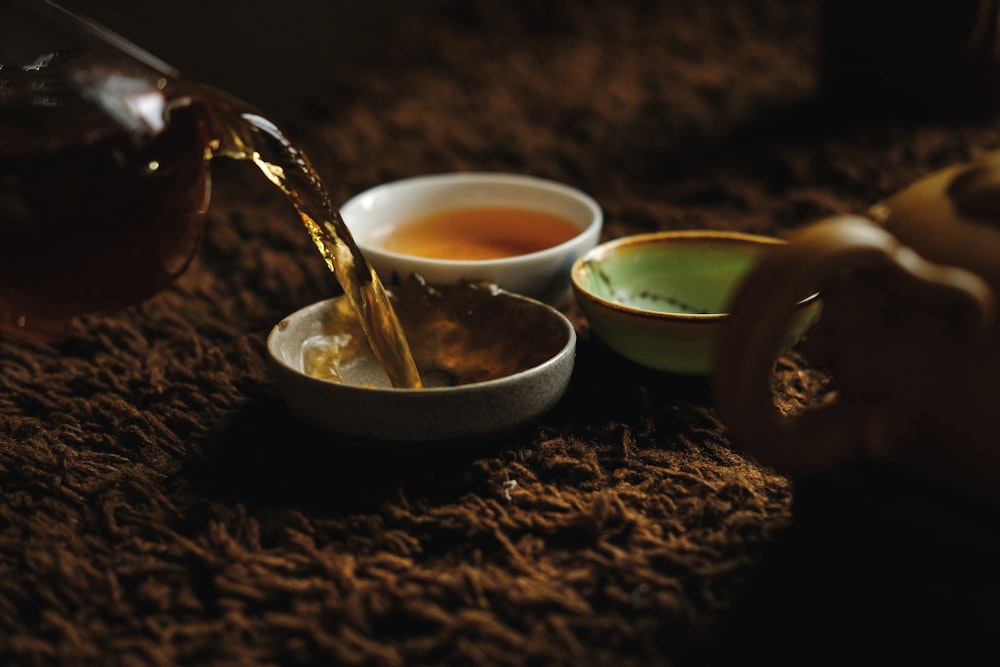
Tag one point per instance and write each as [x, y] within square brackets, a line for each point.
[158, 505]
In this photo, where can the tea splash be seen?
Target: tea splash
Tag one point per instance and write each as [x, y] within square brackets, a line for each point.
[460, 334]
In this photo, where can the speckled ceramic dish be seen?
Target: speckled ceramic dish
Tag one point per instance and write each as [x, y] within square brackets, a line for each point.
[661, 299]
[490, 361]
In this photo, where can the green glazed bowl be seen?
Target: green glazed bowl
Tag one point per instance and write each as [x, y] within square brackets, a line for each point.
[661, 299]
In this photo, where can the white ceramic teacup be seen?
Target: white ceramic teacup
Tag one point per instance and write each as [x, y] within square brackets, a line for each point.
[543, 273]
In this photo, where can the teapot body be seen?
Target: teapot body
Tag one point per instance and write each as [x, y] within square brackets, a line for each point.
[909, 332]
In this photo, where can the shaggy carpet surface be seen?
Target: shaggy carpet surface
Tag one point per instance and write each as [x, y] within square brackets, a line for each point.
[160, 506]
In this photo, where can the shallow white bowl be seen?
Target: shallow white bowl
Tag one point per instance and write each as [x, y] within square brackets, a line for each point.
[543, 274]
[523, 350]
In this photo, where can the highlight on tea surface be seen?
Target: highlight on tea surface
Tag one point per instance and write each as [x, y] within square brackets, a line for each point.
[474, 233]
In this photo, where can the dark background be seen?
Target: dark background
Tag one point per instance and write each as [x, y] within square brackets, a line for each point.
[160, 506]
[270, 53]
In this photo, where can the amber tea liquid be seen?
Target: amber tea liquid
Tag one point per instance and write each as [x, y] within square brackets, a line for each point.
[96, 223]
[474, 233]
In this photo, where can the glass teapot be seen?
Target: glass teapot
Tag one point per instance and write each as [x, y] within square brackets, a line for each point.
[104, 178]
[104, 172]
[105, 181]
